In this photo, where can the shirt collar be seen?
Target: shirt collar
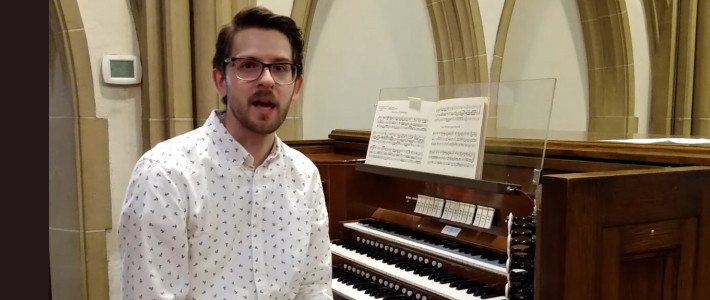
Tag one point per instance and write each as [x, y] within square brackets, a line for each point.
[234, 150]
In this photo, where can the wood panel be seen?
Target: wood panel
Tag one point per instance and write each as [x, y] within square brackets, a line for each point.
[649, 261]
[627, 231]
[640, 277]
[332, 178]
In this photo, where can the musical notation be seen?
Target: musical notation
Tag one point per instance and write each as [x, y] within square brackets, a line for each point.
[454, 138]
[453, 158]
[402, 122]
[399, 139]
[395, 155]
[457, 113]
[399, 134]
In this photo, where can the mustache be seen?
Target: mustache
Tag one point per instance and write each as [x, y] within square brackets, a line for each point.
[263, 94]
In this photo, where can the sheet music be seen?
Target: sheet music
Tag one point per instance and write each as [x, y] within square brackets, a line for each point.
[456, 130]
[398, 135]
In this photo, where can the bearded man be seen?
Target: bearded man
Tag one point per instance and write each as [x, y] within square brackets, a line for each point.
[228, 211]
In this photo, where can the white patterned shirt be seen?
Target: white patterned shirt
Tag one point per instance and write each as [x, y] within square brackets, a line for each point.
[200, 222]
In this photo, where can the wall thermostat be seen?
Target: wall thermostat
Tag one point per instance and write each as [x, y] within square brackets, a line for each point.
[121, 69]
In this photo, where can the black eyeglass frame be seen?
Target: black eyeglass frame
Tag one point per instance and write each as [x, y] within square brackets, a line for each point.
[296, 67]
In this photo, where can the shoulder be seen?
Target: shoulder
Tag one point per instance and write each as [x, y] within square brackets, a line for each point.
[160, 172]
[172, 154]
[170, 159]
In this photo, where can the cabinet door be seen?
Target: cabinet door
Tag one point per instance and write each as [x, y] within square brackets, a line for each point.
[652, 261]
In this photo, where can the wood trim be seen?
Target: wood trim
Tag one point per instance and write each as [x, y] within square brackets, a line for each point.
[703, 263]
[661, 155]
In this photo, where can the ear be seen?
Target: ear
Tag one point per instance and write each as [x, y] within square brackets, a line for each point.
[297, 85]
[220, 82]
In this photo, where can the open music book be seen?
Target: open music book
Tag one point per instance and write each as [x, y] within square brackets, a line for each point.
[444, 137]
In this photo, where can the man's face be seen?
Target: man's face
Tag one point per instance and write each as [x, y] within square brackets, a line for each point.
[260, 105]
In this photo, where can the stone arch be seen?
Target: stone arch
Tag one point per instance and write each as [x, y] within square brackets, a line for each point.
[607, 40]
[458, 36]
[501, 38]
[302, 12]
[610, 64]
[460, 47]
[79, 187]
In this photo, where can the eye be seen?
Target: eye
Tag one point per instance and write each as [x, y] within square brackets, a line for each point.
[247, 65]
[282, 68]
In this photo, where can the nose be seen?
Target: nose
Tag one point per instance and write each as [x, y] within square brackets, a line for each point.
[266, 79]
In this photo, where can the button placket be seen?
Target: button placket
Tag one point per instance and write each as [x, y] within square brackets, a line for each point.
[257, 245]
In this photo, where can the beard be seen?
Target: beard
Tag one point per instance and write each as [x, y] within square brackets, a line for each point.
[242, 111]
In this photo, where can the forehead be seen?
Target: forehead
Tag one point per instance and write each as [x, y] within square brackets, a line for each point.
[263, 44]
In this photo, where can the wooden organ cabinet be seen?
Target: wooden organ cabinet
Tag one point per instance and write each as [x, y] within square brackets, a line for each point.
[611, 221]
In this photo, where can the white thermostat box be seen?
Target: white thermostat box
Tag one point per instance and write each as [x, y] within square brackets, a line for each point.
[121, 69]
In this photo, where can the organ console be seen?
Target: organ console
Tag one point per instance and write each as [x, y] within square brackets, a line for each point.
[600, 220]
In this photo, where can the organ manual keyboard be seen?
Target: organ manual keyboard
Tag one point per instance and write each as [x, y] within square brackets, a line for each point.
[600, 221]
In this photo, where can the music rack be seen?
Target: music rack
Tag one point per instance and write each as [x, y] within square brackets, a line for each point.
[473, 184]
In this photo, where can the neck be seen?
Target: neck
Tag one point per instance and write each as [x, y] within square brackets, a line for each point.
[258, 145]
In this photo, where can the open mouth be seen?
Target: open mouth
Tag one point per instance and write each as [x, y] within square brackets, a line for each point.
[264, 106]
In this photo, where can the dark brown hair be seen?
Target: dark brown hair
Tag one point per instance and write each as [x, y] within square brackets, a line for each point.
[258, 17]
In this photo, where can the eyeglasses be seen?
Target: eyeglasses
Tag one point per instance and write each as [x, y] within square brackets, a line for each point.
[249, 69]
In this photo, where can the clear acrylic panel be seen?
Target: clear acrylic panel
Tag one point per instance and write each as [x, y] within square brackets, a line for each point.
[517, 125]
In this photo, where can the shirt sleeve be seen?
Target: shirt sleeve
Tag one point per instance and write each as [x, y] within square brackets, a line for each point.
[152, 236]
[317, 281]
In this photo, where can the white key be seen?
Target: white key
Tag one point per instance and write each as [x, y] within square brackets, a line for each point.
[437, 250]
[406, 276]
[349, 292]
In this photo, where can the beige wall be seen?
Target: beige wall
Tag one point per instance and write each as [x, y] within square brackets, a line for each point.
[282, 7]
[545, 41]
[355, 49]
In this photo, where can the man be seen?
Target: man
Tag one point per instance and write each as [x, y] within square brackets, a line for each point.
[228, 211]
